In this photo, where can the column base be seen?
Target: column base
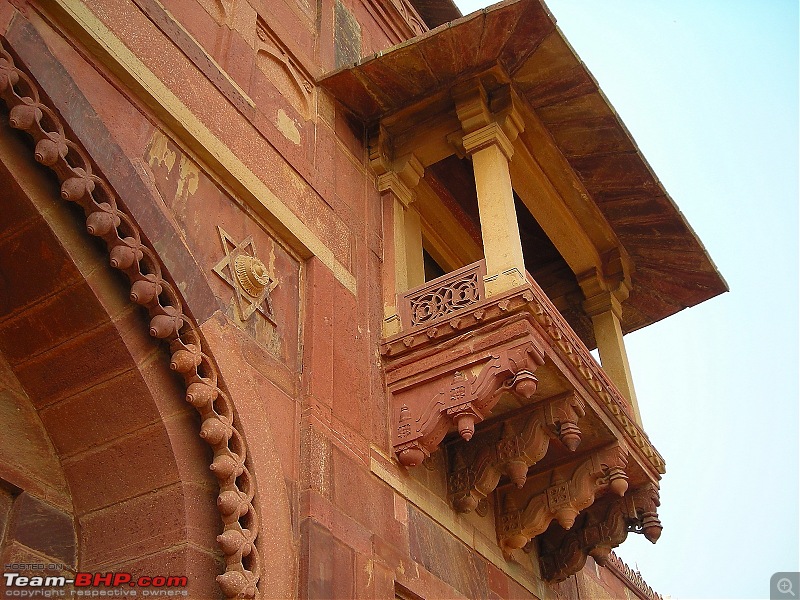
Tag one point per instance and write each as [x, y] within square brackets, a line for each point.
[503, 282]
[391, 325]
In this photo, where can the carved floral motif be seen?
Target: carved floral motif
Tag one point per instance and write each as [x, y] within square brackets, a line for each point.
[151, 288]
[443, 296]
[247, 275]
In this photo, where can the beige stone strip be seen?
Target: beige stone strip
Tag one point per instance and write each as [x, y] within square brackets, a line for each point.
[76, 18]
[441, 512]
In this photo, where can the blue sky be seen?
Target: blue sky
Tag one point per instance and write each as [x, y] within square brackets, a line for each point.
[709, 90]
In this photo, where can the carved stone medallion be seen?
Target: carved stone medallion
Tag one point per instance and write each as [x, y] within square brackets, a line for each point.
[247, 275]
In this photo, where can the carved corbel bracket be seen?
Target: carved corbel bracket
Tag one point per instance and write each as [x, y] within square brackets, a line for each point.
[461, 399]
[515, 452]
[572, 489]
[486, 118]
[397, 174]
[603, 527]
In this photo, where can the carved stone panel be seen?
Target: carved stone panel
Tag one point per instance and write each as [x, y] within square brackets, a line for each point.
[598, 530]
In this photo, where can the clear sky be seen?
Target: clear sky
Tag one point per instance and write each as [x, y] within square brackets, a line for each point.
[709, 90]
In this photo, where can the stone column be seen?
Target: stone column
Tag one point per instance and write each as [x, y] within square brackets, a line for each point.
[605, 310]
[415, 264]
[488, 139]
[402, 235]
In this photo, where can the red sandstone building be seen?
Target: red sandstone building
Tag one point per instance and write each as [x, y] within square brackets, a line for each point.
[349, 254]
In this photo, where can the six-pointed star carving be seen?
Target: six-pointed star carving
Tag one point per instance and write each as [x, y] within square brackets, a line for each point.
[247, 275]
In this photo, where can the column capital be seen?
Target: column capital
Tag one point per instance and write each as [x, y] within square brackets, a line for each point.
[489, 135]
[399, 176]
[602, 295]
[488, 119]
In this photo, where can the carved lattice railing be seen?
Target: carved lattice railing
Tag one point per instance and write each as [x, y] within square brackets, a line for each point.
[444, 296]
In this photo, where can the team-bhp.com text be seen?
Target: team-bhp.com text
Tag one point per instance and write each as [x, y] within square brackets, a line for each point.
[94, 585]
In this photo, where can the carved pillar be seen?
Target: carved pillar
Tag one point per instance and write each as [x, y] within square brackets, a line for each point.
[604, 306]
[489, 133]
[569, 490]
[402, 231]
[515, 452]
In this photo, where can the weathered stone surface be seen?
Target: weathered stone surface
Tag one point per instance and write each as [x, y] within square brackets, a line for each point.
[78, 112]
[446, 557]
[327, 564]
[347, 43]
[149, 523]
[308, 391]
[43, 528]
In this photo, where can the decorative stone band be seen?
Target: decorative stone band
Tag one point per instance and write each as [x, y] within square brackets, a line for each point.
[531, 299]
[151, 289]
[461, 399]
[617, 566]
[573, 489]
[600, 528]
[515, 452]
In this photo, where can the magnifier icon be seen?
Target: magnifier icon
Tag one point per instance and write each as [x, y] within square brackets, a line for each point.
[784, 586]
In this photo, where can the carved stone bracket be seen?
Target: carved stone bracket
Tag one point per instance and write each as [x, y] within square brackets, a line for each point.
[602, 527]
[571, 490]
[515, 452]
[461, 399]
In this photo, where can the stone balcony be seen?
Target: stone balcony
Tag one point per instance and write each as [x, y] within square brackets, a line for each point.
[531, 425]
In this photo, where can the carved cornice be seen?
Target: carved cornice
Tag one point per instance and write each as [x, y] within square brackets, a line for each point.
[602, 527]
[571, 490]
[515, 452]
[425, 412]
[633, 578]
[150, 288]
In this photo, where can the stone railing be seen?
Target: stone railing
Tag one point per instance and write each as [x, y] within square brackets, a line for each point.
[444, 296]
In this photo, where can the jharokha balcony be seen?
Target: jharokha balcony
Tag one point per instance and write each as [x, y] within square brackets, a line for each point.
[520, 227]
[508, 391]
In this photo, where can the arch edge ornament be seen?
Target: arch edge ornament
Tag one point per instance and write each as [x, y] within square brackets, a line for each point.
[150, 287]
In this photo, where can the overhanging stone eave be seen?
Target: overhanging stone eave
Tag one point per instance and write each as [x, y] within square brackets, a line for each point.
[399, 77]
[634, 183]
[410, 75]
